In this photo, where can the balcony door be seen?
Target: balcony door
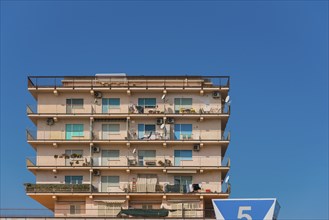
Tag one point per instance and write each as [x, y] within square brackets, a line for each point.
[181, 155]
[72, 104]
[110, 129]
[108, 156]
[73, 179]
[74, 156]
[183, 131]
[145, 131]
[73, 130]
[145, 156]
[110, 184]
[146, 183]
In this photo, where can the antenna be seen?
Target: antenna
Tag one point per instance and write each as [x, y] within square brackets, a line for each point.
[163, 96]
[227, 179]
[227, 99]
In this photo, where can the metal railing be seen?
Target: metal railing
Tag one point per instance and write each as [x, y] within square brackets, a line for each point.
[129, 82]
[163, 111]
[47, 188]
[63, 160]
[60, 135]
[100, 213]
[135, 188]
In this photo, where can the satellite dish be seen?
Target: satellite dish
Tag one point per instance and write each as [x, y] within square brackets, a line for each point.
[227, 99]
[162, 126]
[134, 151]
[227, 179]
[164, 96]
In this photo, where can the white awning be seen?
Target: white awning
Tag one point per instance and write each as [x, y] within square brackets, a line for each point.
[111, 200]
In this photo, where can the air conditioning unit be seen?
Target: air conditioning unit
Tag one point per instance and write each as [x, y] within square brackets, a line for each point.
[96, 172]
[159, 121]
[97, 95]
[170, 120]
[216, 94]
[196, 147]
[50, 121]
[96, 149]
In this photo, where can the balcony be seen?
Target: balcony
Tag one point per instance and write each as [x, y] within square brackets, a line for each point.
[58, 188]
[133, 111]
[128, 162]
[128, 82]
[131, 188]
[131, 136]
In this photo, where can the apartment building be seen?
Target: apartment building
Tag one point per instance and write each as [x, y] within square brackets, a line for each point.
[113, 145]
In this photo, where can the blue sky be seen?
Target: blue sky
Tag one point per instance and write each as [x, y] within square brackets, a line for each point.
[275, 51]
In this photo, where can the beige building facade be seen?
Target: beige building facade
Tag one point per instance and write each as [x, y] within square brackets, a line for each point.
[113, 142]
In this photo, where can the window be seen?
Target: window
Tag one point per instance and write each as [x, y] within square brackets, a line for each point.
[182, 103]
[190, 210]
[144, 156]
[146, 206]
[183, 131]
[146, 183]
[72, 104]
[108, 129]
[73, 130]
[147, 102]
[75, 209]
[69, 153]
[73, 179]
[108, 155]
[145, 130]
[183, 180]
[110, 183]
[109, 209]
[181, 155]
[110, 103]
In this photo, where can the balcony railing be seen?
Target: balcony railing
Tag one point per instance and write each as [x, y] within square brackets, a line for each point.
[48, 188]
[129, 82]
[131, 111]
[127, 161]
[60, 135]
[127, 188]
[64, 213]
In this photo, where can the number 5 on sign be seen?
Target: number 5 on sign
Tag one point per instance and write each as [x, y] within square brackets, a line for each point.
[242, 215]
[246, 209]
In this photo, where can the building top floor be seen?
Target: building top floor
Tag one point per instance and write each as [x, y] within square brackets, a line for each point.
[108, 102]
[124, 81]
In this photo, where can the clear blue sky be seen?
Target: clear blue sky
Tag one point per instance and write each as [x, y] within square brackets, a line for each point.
[275, 51]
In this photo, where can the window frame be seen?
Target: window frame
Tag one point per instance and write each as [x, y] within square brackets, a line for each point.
[143, 102]
[106, 104]
[178, 128]
[180, 104]
[78, 178]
